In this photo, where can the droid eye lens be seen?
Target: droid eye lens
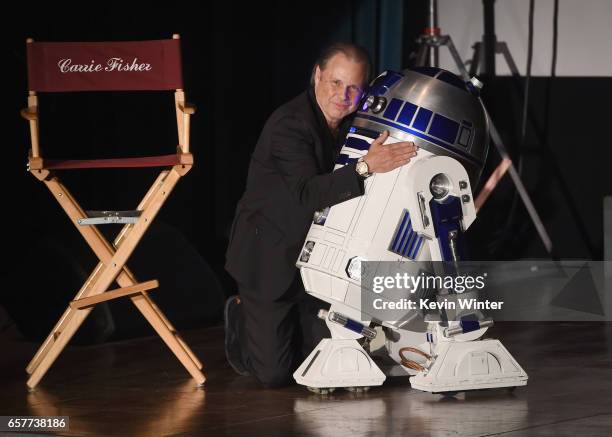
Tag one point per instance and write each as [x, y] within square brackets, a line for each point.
[379, 104]
[368, 103]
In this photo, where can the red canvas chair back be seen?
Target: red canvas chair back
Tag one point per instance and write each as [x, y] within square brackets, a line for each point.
[104, 66]
[107, 66]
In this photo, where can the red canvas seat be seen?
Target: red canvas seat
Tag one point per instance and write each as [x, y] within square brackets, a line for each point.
[142, 161]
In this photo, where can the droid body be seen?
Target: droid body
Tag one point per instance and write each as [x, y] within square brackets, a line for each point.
[418, 212]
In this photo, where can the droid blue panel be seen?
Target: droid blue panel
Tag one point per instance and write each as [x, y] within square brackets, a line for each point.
[365, 132]
[392, 109]
[357, 143]
[407, 113]
[382, 83]
[444, 128]
[406, 242]
[422, 119]
[424, 136]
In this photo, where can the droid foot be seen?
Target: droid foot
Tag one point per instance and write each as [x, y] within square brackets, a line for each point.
[338, 363]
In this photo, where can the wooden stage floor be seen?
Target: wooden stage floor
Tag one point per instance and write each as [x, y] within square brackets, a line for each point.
[137, 388]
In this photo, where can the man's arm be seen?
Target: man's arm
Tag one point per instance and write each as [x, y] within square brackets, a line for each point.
[294, 156]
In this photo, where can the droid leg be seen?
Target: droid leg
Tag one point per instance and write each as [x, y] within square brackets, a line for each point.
[458, 359]
[340, 361]
[462, 364]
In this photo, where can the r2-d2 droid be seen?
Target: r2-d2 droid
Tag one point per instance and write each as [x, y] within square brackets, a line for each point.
[417, 212]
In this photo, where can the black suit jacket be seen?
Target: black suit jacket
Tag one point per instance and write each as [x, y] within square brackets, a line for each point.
[290, 177]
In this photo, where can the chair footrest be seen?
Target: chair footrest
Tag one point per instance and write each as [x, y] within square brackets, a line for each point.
[109, 217]
[113, 294]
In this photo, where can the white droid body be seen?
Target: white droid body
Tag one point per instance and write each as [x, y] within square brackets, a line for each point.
[417, 212]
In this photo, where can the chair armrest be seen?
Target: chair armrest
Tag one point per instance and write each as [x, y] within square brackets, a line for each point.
[30, 113]
[188, 108]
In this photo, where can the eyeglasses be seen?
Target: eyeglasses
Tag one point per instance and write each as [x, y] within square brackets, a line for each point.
[338, 86]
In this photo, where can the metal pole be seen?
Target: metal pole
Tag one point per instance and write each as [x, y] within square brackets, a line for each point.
[433, 31]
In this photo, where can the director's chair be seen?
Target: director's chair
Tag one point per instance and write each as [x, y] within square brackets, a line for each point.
[109, 66]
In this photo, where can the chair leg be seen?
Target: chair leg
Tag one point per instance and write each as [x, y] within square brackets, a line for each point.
[124, 279]
[169, 337]
[61, 323]
[43, 350]
[54, 348]
[162, 316]
[113, 263]
[74, 318]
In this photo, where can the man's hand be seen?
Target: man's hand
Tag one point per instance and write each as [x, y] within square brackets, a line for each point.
[383, 158]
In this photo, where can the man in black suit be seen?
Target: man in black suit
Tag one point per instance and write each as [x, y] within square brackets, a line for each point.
[272, 325]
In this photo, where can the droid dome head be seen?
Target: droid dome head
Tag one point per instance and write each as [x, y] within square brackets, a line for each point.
[435, 108]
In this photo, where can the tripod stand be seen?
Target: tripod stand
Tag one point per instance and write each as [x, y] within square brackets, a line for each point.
[429, 43]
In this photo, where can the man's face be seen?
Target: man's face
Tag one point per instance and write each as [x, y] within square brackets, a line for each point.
[338, 87]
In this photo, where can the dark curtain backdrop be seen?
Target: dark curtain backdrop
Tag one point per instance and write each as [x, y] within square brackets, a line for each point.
[242, 60]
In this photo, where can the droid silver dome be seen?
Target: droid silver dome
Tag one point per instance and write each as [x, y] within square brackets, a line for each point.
[432, 107]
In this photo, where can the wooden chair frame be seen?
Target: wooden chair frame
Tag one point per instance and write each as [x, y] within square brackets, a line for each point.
[112, 257]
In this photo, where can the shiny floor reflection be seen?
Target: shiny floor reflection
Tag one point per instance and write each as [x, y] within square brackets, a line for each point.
[138, 388]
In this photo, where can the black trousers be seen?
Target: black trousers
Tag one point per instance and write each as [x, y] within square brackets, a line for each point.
[278, 331]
